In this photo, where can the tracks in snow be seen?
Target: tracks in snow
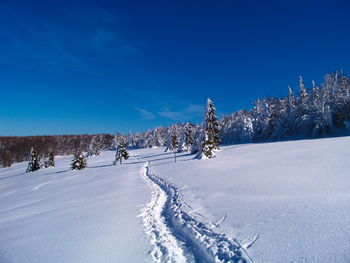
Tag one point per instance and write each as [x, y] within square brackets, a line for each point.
[165, 246]
[177, 235]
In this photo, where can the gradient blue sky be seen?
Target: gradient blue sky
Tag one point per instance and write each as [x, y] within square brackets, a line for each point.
[70, 67]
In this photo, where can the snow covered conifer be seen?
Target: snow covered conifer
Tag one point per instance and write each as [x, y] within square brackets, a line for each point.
[303, 94]
[314, 87]
[34, 163]
[303, 110]
[188, 139]
[94, 147]
[79, 161]
[198, 139]
[291, 99]
[121, 152]
[51, 162]
[211, 142]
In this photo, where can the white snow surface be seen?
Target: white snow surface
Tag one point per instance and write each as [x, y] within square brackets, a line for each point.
[294, 196]
[59, 215]
[283, 202]
[198, 242]
[166, 248]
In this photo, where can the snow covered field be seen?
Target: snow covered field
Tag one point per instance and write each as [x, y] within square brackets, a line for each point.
[59, 215]
[294, 196]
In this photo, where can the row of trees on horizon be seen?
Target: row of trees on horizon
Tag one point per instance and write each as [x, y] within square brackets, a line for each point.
[319, 110]
[207, 147]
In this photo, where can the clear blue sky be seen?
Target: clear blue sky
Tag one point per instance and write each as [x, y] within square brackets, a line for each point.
[71, 67]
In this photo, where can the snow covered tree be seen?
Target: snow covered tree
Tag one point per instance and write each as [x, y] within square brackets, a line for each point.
[149, 139]
[173, 129]
[303, 94]
[187, 138]
[116, 140]
[34, 162]
[79, 161]
[211, 142]
[323, 109]
[291, 99]
[303, 116]
[51, 162]
[156, 137]
[121, 152]
[237, 128]
[320, 111]
[341, 102]
[280, 118]
[267, 117]
[94, 146]
[198, 139]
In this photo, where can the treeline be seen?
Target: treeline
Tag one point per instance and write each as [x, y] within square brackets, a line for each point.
[17, 149]
[315, 111]
[322, 109]
[310, 111]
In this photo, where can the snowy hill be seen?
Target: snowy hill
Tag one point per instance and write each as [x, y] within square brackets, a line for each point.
[59, 215]
[271, 202]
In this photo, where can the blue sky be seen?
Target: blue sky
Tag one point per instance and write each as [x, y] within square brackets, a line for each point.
[71, 67]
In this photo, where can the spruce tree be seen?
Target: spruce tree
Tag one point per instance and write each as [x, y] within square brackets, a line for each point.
[211, 140]
[188, 139]
[34, 162]
[121, 152]
[79, 161]
[51, 162]
[303, 94]
[198, 140]
[169, 137]
[291, 99]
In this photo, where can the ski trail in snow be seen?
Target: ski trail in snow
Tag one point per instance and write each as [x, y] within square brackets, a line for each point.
[37, 187]
[176, 234]
[165, 246]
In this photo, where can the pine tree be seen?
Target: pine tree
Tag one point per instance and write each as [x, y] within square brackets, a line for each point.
[121, 152]
[303, 95]
[79, 161]
[211, 142]
[186, 137]
[34, 162]
[291, 100]
[189, 137]
[173, 129]
[51, 162]
[198, 140]
[303, 114]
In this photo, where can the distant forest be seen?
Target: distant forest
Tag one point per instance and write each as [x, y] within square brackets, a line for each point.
[315, 111]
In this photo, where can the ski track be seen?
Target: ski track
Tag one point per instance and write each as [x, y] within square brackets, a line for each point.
[175, 234]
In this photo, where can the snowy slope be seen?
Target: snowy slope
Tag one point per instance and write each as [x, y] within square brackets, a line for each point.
[294, 196]
[58, 215]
